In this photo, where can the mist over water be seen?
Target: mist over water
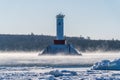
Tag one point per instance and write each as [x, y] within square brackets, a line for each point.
[32, 59]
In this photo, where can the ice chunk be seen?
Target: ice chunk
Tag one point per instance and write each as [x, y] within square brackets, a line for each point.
[70, 73]
[56, 73]
[107, 65]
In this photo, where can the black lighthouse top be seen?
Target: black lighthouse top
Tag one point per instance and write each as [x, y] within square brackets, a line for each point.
[60, 16]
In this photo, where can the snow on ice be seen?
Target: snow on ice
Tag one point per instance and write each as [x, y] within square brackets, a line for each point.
[107, 65]
[38, 73]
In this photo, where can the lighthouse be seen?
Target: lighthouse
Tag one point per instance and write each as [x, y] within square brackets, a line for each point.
[59, 30]
[60, 26]
[59, 46]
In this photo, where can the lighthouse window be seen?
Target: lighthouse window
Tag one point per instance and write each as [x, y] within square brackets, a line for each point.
[59, 23]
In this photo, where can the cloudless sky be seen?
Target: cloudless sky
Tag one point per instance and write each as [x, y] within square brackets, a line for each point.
[99, 19]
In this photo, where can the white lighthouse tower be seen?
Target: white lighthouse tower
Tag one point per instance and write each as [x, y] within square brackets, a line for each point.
[59, 46]
[60, 26]
[60, 29]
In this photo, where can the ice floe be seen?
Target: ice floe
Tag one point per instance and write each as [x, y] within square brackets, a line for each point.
[107, 65]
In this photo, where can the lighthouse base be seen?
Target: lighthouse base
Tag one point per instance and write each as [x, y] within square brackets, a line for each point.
[60, 50]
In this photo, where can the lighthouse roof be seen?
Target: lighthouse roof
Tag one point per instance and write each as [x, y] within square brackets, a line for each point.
[60, 16]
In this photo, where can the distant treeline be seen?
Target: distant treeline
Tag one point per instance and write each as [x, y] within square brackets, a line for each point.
[38, 42]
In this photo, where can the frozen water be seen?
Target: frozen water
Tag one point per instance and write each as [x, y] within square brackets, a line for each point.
[38, 73]
[30, 66]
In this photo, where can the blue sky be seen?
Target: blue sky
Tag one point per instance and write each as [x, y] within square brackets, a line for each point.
[99, 19]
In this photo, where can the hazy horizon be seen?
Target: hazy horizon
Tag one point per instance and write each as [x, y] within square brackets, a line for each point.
[93, 18]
